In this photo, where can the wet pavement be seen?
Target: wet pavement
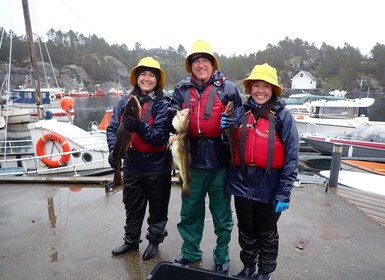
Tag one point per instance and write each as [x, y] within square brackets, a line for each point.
[57, 232]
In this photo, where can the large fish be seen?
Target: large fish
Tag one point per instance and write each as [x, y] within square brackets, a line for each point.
[180, 148]
[231, 131]
[123, 138]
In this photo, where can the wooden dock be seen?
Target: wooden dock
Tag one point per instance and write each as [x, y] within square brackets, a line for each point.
[371, 204]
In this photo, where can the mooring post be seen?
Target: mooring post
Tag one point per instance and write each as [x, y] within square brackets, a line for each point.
[335, 165]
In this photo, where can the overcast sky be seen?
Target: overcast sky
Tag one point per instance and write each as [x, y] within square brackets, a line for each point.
[232, 27]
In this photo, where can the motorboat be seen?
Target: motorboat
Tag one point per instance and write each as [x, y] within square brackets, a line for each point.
[54, 148]
[366, 182]
[366, 141]
[373, 167]
[331, 116]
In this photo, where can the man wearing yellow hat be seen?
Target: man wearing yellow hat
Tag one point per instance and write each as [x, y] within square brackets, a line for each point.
[206, 92]
[147, 164]
[266, 166]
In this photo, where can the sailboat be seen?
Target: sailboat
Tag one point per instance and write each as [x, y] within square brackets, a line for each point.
[57, 147]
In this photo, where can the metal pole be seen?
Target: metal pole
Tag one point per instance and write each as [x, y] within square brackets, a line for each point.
[32, 58]
[335, 165]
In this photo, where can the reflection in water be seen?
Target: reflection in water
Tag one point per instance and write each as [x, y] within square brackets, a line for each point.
[92, 109]
[54, 255]
[52, 219]
[51, 212]
[75, 188]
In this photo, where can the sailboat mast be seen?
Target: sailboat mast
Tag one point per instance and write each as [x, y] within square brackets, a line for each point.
[32, 59]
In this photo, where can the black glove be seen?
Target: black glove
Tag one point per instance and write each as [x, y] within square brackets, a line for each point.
[130, 123]
[112, 161]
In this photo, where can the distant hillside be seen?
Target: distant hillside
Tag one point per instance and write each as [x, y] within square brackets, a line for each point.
[94, 61]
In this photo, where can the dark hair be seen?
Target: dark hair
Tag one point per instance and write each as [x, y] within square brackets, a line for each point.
[154, 71]
[159, 94]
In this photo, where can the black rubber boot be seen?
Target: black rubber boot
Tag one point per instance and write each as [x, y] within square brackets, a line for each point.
[125, 248]
[248, 272]
[150, 252]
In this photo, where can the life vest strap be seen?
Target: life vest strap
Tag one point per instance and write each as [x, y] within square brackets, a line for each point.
[148, 110]
[210, 102]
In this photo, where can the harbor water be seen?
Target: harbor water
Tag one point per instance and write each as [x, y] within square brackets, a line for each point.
[91, 109]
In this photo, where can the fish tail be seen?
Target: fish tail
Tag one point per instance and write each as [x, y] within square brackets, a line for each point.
[117, 182]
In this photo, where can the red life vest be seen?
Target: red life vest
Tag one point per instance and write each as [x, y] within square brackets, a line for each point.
[205, 112]
[256, 145]
[137, 142]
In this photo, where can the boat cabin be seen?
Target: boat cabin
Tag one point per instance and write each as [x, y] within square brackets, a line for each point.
[340, 109]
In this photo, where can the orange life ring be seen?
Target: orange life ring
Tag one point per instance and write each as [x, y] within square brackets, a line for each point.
[40, 151]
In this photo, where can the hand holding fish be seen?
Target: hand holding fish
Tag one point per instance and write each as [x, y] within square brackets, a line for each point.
[226, 121]
[130, 122]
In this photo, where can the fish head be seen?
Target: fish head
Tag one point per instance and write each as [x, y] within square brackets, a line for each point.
[132, 107]
[181, 121]
[230, 109]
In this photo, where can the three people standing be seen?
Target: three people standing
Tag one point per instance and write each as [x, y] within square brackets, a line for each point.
[266, 161]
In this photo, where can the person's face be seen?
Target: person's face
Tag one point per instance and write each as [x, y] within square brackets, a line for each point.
[261, 91]
[147, 82]
[202, 69]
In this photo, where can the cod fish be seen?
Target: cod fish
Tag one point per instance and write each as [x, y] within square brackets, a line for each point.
[231, 131]
[123, 139]
[180, 148]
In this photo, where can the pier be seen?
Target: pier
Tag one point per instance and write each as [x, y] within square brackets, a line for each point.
[64, 231]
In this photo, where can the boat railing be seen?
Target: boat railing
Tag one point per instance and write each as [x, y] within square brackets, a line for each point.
[30, 164]
[16, 146]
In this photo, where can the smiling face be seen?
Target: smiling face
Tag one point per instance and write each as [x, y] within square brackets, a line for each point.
[202, 69]
[261, 91]
[147, 82]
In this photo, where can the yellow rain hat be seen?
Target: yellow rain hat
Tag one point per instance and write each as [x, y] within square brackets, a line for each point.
[265, 73]
[151, 63]
[202, 47]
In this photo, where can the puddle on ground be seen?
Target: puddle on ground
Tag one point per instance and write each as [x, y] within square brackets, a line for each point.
[25, 205]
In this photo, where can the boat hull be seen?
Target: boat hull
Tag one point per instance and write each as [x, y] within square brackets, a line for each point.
[366, 182]
[350, 148]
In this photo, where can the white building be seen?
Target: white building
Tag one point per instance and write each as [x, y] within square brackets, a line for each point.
[303, 80]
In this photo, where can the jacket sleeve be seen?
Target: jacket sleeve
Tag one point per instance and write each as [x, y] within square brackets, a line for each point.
[290, 140]
[231, 93]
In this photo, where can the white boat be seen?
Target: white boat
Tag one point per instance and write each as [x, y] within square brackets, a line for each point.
[25, 99]
[332, 116]
[14, 115]
[56, 148]
[367, 182]
[2, 122]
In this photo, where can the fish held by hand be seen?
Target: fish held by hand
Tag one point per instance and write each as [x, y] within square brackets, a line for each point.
[180, 148]
[231, 132]
[123, 138]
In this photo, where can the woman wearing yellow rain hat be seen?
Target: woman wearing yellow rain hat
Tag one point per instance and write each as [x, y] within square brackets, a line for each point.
[147, 164]
[266, 166]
